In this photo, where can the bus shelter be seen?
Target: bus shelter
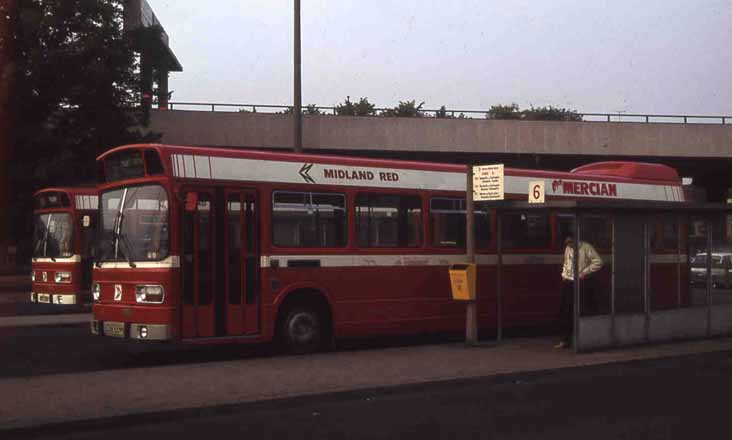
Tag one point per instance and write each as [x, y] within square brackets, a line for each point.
[666, 273]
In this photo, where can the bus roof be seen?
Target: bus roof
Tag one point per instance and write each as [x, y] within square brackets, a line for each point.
[592, 180]
[69, 190]
[77, 197]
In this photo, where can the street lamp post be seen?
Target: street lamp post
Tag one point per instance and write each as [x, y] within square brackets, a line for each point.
[297, 107]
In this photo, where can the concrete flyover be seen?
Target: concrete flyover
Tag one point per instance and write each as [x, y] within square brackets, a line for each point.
[266, 130]
[699, 150]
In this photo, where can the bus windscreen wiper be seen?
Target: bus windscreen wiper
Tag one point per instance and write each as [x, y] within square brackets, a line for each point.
[121, 238]
[98, 251]
[46, 231]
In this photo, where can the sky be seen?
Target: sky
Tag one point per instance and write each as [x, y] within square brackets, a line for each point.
[619, 56]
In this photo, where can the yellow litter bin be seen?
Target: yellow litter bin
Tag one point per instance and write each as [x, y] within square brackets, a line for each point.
[462, 282]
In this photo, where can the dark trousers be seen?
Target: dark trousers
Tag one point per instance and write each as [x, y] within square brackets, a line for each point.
[588, 303]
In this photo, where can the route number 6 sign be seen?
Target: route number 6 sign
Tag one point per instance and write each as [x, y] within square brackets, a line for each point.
[536, 191]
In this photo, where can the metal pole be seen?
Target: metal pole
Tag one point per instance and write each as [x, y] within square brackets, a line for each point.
[471, 317]
[678, 260]
[297, 108]
[646, 277]
[499, 269]
[576, 277]
[710, 279]
[612, 281]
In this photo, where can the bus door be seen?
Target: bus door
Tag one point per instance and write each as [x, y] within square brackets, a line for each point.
[197, 265]
[242, 267]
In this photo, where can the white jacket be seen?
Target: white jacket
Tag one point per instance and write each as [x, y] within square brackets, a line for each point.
[589, 261]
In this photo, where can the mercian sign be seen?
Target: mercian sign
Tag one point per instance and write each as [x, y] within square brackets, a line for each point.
[575, 188]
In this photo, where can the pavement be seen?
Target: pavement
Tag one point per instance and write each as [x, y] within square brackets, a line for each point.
[680, 398]
[38, 320]
[11, 281]
[62, 398]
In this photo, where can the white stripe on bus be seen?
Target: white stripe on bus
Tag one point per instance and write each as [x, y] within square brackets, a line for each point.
[361, 260]
[273, 171]
[173, 261]
[71, 259]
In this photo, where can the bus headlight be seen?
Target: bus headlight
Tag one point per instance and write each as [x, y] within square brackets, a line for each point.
[95, 291]
[62, 277]
[151, 294]
[33, 276]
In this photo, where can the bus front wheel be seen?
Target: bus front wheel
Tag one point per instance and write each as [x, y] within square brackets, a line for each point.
[302, 330]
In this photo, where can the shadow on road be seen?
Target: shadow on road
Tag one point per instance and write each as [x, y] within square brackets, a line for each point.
[34, 351]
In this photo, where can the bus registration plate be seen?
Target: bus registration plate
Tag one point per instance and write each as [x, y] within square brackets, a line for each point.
[44, 298]
[116, 329]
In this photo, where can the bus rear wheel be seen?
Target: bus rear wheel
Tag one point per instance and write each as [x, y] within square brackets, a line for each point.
[301, 330]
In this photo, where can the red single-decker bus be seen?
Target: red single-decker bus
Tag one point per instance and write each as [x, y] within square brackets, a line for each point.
[64, 221]
[210, 244]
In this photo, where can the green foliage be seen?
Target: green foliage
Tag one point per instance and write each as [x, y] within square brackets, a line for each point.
[76, 94]
[550, 113]
[442, 113]
[405, 109]
[547, 113]
[311, 110]
[504, 112]
[362, 108]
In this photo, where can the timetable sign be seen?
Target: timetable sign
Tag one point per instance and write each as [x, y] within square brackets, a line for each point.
[488, 182]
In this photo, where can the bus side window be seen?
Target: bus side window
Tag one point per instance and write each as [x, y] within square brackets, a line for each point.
[304, 219]
[525, 230]
[447, 220]
[388, 220]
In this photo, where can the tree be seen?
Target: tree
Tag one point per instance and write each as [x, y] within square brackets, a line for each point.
[362, 108]
[442, 113]
[311, 110]
[550, 113]
[547, 113]
[405, 109]
[7, 84]
[501, 111]
[76, 93]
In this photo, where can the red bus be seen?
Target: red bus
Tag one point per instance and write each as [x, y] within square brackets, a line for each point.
[64, 220]
[209, 244]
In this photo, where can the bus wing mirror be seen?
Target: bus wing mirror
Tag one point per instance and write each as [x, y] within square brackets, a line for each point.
[191, 201]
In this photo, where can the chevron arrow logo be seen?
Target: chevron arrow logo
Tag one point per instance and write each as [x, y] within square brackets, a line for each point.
[305, 172]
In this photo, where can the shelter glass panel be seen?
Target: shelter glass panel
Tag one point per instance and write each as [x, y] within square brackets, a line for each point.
[665, 262]
[722, 259]
[698, 230]
[596, 287]
[630, 263]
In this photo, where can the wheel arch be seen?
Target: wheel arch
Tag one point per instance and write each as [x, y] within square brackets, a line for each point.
[306, 294]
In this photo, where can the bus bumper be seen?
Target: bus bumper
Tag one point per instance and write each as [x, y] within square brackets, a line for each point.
[131, 330]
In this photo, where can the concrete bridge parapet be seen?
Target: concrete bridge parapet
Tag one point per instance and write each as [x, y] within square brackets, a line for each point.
[478, 136]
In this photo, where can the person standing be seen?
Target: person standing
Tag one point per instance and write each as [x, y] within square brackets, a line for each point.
[588, 264]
